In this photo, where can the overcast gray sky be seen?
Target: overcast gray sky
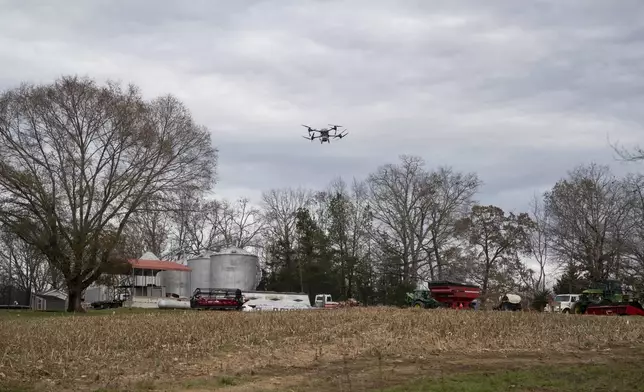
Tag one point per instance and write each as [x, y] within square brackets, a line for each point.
[518, 91]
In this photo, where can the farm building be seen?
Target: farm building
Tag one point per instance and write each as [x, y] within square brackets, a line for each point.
[54, 300]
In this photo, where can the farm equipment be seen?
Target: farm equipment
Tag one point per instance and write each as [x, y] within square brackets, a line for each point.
[325, 301]
[607, 298]
[217, 299]
[444, 294]
[116, 303]
[509, 302]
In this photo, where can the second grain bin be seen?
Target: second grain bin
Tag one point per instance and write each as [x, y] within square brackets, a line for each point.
[176, 282]
[200, 274]
[234, 268]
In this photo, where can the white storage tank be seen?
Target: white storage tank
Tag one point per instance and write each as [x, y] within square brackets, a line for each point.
[200, 274]
[234, 268]
[175, 282]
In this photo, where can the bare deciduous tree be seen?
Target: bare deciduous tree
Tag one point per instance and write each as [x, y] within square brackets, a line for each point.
[633, 265]
[497, 240]
[151, 224]
[24, 265]
[348, 231]
[451, 200]
[78, 159]
[280, 207]
[539, 242]
[399, 197]
[589, 219]
[241, 225]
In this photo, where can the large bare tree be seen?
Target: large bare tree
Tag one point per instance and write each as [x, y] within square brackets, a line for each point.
[633, 263]
[77, 159]
[280, 208]
[589, 220]
[452, 198]
[348, 232]
[399, 197]
[498, 240]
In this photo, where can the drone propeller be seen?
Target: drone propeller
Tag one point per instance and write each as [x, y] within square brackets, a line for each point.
[309, 128]
[345, 133]
[335, 126]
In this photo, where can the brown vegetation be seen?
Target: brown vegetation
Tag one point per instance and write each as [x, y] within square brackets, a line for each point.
[124, 350]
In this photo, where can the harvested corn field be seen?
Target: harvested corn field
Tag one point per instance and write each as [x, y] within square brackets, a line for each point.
[177, 350]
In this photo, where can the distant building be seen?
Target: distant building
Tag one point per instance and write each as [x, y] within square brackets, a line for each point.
[54, 300]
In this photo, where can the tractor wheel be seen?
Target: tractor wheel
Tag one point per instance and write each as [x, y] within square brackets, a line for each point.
[419, 304]
[566, 311]
[576, 309]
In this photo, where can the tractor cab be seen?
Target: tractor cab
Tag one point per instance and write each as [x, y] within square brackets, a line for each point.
[422, 299]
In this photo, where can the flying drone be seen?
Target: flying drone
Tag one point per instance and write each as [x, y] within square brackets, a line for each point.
[325, 134]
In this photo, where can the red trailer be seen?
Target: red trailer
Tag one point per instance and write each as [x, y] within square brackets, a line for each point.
[454, 295]
[444, 294]
[615, 310]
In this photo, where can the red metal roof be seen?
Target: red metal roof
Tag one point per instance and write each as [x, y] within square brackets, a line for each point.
[158, 265]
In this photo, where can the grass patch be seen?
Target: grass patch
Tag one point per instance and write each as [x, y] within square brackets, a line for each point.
[208, 383]
[569, 378]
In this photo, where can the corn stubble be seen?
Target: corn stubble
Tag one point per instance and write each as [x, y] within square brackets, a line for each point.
[125, 348]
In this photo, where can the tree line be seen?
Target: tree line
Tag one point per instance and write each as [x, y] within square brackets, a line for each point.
[91, 175]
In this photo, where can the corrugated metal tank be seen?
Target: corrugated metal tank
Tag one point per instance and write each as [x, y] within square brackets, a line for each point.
[200, 274]
[175, 282]
[234, 268]
[96, 293]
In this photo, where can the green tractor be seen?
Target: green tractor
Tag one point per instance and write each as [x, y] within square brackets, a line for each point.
[422, 299]
[604, 293]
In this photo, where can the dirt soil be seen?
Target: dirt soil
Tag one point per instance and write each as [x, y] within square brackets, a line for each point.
[373, 374]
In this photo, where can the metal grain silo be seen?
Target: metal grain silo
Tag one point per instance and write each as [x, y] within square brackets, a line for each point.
[200, 274]
[175, 282]
[234, 268]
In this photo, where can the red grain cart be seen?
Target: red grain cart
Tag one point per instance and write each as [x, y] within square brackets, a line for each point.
[454, 295]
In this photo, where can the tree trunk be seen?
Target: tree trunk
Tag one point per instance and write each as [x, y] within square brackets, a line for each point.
[74, 297]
